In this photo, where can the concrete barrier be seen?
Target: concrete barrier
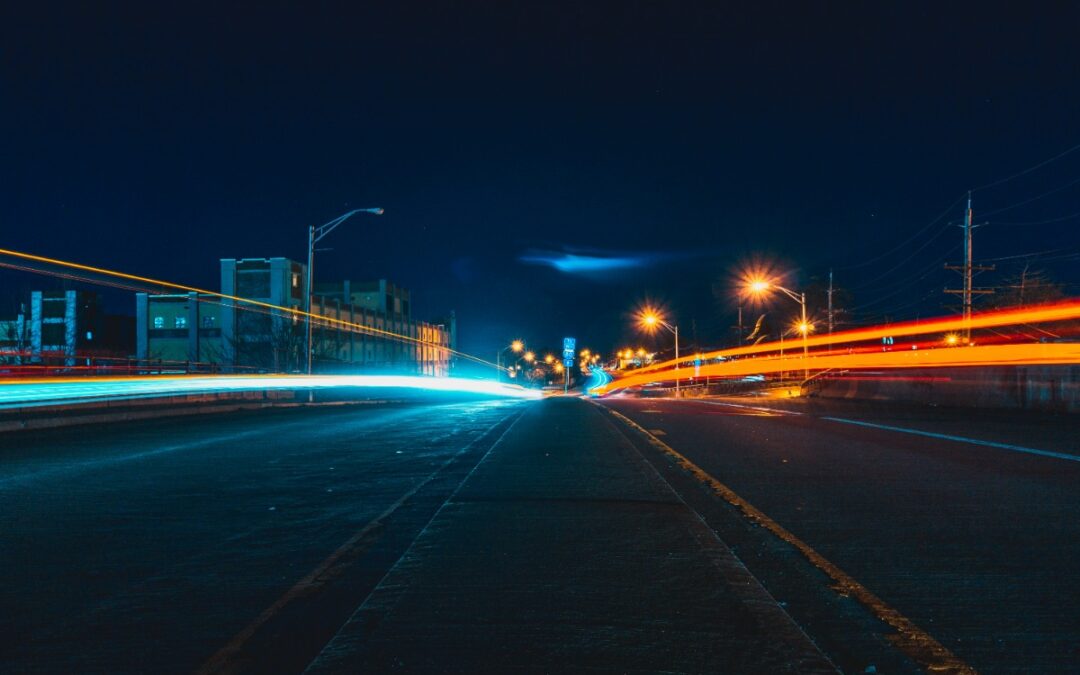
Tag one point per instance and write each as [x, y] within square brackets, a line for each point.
[101, 412]
[1048, 388]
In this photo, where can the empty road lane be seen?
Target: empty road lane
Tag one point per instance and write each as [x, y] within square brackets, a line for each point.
[171, 545]
[945, 515]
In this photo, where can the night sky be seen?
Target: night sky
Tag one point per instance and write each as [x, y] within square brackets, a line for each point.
[661, 144]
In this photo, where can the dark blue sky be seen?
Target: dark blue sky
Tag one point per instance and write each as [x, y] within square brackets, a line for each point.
[811, 135]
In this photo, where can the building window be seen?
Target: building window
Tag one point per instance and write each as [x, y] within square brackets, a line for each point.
[159, 322]
[180, 322]
[208, 322]
[295, 280]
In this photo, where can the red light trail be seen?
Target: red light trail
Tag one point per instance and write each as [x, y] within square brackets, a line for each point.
[862, 356]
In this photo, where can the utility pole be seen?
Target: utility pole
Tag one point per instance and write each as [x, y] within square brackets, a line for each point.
[968, 269]
[830, 303]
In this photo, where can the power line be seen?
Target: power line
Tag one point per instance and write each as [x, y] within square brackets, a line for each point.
[926, 272]
[900, 264]
[1028, 255]
[1027, 170]
[907, 241]
[1035, 198]
[1043, 222]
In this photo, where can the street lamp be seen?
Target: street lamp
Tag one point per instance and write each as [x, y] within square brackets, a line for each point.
[516, 346]
[760, 287]
[315, 234]
[650, 320]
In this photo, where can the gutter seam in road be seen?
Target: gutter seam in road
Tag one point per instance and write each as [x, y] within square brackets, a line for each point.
[424, 529]
[222, 660]
[909, 638]
[750, 590]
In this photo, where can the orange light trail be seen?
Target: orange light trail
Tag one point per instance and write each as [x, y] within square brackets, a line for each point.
[989, 355]
[290, 311]
[1043, 314]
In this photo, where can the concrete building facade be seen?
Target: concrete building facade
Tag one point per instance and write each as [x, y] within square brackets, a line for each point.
[62, 328]
[219, 333]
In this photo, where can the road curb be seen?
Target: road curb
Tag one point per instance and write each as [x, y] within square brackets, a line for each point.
[111, 412]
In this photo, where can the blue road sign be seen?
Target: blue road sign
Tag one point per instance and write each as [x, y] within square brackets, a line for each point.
[568, 346]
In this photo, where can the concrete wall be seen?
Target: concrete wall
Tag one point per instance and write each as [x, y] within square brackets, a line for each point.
[1051, 388]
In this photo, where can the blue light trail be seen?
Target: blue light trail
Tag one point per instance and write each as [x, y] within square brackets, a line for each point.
[599, 379]
[41, 392]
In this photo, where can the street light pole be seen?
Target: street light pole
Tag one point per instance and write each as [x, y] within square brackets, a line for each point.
[651, 319]
[314, 235]
[677, 389]
[516, 346]
[804, 327]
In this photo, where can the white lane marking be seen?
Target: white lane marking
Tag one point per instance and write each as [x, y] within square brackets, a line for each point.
[960, 439]
[780, 411]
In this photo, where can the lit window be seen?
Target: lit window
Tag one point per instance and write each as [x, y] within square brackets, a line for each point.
[208, 322]
[295, 280]
[159, 322]
[180, 322]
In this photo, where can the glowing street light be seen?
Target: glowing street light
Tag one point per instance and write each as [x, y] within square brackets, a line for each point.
[559, 368]
[650, 321]
[952, 339]
[761, 287]
[516, 346]
[529, 357]
[549, 359]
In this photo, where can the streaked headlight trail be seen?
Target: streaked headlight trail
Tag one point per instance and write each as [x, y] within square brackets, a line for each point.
[51, 391]
[844, 352]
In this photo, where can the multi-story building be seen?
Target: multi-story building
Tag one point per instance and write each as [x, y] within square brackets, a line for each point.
[366, 325]
[64, 328]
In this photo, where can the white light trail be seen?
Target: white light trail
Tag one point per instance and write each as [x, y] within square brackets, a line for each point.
[40, 392]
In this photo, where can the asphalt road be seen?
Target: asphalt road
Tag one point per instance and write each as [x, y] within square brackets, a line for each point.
[151, 546]
[548, 535]
[966, 523]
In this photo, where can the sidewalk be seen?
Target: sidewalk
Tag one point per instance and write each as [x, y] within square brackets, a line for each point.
[565, 551]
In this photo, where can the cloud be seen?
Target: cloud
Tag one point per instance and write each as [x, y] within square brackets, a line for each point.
[597, 263]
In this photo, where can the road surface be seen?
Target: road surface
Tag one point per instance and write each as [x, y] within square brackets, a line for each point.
[548, 535]
[149, 546]
[965, 522]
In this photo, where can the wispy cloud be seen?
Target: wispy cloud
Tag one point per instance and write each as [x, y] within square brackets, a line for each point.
[597, 263]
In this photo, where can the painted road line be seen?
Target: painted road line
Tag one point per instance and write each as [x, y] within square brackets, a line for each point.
[774, 411]
[909, 638]
[959, 439]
